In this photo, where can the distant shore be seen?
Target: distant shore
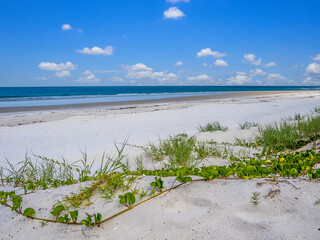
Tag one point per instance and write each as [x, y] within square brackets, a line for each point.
[140, 102]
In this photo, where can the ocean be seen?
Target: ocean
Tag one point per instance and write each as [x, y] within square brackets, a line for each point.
[48, 96]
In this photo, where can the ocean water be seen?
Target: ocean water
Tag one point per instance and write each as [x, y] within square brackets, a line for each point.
[46, 96]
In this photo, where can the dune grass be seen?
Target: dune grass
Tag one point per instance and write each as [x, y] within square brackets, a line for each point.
[43, 173]
[289, 135]
[247, 125]
[181, 151]
[212, 127]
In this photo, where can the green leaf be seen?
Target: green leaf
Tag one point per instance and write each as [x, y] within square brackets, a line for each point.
[131, 198]
[16, 203]
[249, 170]
[57, 210]
[85, 222]
[29, 212]
[74, 215]
[61, 219]
[99, 217]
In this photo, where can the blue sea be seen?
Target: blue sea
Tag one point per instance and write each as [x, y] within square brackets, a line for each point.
[48, 96]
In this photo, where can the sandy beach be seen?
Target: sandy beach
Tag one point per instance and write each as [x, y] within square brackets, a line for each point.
[219, 209]
[56, 133]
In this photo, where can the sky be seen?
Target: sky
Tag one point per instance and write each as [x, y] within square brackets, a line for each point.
[159, 42]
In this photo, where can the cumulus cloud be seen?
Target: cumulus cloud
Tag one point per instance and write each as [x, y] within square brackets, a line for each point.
[57, 67]
[257, 72]
[177, 1]
[63, 74]
[66, 27]
[97, 50]
[316, 58]
[141, 71]
[40, 78]
[275, 77]
[179, 63]
[313, 68]
[89, 77]
[174, 13]
[220, 63]
[202, 77]
[208, 52]
[240, 79]
[251, 58]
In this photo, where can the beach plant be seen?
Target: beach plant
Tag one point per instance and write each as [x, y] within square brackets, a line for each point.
[178, 150]
[29, 212]
[255, 199]
[143, 193]
[282, 165]
[84, 170]
[245, 143]
[298, 117]
[88, 222]
[181, 175]
[111, 164]
[247, 125]
[2, 180]
[317, 202]
[287, 135]
[316, 110]
[211, 127]
[127, 199]
[157, 184]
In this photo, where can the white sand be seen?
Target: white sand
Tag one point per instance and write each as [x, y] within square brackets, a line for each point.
[68, 133]
[219, 209]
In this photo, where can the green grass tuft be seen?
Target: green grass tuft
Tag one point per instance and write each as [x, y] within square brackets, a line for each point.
[211, 127]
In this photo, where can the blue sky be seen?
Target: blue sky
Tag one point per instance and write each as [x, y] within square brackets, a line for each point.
[159, 42]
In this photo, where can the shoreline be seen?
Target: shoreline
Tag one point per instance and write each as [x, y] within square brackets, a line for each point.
[84, 106]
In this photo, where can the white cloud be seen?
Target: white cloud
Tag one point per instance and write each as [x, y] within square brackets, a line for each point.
[199, 77]
[179, 63]
[220, 63]
[310, 81]
[90, 77]
[138, 67]
[177, 1]
[40, 78]
[117, 79]
[275, 77]
[174, 13]
[313, 68]
[240, 79]
[251, 58]
[208, 52]
[66, 27]
[97, 51]
[141, 71]
[62, 74]
[257, 72]
[205, 64]
[57, 67]
[316, 58]
[269, 64]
